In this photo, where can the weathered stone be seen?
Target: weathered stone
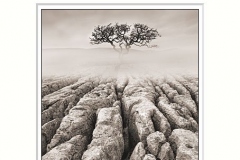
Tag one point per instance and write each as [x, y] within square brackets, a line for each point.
[166, 152]
[172, 90]
[191, 87]
[78, 89]
[70, 106]
[95, 153]
[149, 157]
[117, 103]
[144, 118]
[79, 121]
[159, 91]
[48, 131]
[57, 110]
[50, 128]
[127, 104]
[126, 141]
[191, 78]
[107, 136]
[131, 113]
[140, 112]
[56, 84]
[81, 118]
[163, 100]
[155, 141]
[132, 95]
[185, 144]
[187, 102]
[102, 96]
[169, 91]
[178, 87]
[72, 149]
[64, 99]
[161, 95]
[178, 117]
[161, 123]
[121, 84]
[140, 88]
[59, 95]
[43, 144]
[138, 152]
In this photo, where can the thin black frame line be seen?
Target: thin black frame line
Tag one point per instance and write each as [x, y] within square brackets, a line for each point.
[128, 9]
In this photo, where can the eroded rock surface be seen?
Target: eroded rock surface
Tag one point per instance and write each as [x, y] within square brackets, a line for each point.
[178, 116]
[142, 116]
[48, 131]
[107, 141]
[149, 157]
[79, 121]
[58, 104]
[155, 141]
[191, 86]
[138, 152]
[81, 118]
[166, 152]
[53, 85]
[185, 144]
[72, 149]
[136, 118]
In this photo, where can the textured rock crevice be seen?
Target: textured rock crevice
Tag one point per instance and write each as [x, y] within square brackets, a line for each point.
[180, 110]
[157, 147]
[184, 98]
[53, 85]
[142, 116]
[107, 141]
[72, 149]
[120, 86]
[184, 144]
[82, 117]
[48, 131]
[79, 121]
[66, 98]
[59, 95]
[192, 87]
[121, 119]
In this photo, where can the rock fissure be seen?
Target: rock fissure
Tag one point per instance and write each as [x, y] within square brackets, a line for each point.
[121, 119]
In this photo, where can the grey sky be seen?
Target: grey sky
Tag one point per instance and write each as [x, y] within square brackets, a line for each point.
[72, 28]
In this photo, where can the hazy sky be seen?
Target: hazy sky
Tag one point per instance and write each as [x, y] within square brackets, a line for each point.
[72, 28]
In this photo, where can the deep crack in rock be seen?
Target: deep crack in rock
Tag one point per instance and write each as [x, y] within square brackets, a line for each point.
[120, 118]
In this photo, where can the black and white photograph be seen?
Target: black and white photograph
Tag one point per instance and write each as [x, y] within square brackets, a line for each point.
[119, 80]
[120, 84]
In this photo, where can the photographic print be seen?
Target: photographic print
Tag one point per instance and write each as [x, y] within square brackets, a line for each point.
[119, 83]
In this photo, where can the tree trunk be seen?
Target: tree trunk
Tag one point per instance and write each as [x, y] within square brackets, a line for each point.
[127, 48]
[114, 47]
[120, 60]
[120, 54]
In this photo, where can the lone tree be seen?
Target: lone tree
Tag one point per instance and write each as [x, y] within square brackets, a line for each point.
[124, 35]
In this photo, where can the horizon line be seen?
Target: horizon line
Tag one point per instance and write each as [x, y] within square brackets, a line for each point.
[106, 48]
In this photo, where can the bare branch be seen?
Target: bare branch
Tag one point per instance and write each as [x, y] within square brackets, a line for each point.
[140, 35]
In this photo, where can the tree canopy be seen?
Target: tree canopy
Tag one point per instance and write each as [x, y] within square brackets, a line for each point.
[124, 35]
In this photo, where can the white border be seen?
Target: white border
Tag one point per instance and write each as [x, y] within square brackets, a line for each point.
[120, 6]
